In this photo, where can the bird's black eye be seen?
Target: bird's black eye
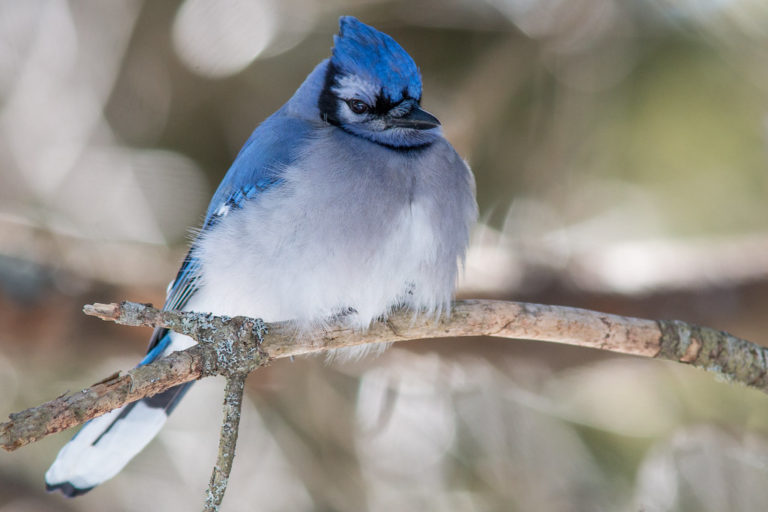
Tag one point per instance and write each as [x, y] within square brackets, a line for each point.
[358, 106]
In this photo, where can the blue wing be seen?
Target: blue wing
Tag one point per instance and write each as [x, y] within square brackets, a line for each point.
[260, 163]
[258, 167]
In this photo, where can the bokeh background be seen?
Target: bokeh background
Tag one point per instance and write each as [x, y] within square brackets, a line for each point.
[621, 156]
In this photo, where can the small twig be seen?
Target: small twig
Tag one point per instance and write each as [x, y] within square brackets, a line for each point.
[232, 345]
[233, 402]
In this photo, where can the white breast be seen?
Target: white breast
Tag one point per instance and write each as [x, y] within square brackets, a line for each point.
[330, 238]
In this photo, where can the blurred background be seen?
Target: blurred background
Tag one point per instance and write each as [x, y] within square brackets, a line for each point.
[621, 156]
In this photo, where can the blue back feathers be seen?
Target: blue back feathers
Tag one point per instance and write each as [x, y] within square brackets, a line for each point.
[364, 51]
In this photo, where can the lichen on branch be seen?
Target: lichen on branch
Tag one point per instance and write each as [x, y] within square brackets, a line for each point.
[237, 346]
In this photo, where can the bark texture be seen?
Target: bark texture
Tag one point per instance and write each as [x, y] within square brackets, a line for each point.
[237, 346]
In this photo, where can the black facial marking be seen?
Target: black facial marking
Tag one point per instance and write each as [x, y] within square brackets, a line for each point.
[383, 105]
[328, 103]
[400, 149]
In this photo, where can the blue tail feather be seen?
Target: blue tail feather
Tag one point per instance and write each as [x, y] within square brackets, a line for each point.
[106, 444]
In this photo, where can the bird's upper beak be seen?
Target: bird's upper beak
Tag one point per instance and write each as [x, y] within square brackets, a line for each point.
[417, 119]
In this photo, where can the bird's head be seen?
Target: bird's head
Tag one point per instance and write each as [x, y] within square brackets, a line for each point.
[373, 89]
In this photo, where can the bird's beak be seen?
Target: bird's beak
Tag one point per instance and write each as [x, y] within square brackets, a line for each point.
[417, 119]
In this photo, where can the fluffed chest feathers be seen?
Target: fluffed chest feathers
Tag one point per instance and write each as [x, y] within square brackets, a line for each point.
[381, 241]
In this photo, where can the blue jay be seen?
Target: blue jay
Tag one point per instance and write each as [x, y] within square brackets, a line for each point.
[345, 203]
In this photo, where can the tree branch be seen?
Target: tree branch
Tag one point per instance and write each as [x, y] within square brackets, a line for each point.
[231, 346]
[233, 402]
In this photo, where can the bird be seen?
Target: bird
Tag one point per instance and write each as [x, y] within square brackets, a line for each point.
[344, 204]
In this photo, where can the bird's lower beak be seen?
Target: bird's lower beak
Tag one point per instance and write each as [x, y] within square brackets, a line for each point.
[417, 119]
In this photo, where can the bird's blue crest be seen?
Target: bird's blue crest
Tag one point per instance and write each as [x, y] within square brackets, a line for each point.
[364, 51]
